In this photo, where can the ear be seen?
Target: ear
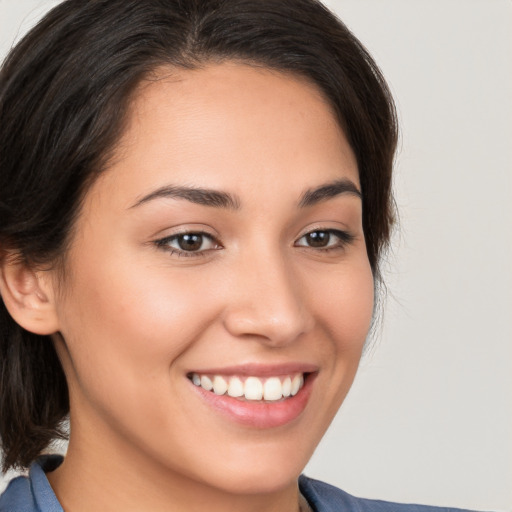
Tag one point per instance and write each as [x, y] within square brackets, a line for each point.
[28, 295]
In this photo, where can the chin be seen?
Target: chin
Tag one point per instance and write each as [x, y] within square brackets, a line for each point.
[263, 472]
[264, 480]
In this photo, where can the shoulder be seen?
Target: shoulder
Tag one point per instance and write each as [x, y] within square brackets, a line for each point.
[32, 493]
[327, 498]
[18, 496]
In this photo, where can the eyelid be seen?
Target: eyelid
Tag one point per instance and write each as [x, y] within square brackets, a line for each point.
[344, 238]
[164, 243]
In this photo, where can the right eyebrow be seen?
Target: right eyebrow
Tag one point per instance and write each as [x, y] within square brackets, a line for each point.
[328, 191]
[202, 196]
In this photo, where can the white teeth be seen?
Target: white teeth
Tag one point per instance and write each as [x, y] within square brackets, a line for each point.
[272, 389]
[254, 388]
[287, 387]
[206, 383]
[296, 384]
[220, 386]
[236, 387]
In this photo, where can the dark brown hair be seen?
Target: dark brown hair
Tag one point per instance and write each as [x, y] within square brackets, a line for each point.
[64, 91]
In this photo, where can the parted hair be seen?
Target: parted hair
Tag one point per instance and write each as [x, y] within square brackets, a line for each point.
[64, 93]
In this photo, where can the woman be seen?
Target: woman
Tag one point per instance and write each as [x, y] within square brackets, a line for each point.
[194, 199]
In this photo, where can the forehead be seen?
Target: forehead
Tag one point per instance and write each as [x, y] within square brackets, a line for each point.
[227, 124]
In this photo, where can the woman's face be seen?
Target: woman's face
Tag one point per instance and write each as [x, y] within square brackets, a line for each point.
[223, 246]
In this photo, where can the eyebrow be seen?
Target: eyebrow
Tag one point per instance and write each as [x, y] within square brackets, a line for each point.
[328, 191]
[202, 196]
[220, 199]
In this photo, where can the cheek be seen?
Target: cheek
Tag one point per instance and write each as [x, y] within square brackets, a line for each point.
[130, 321]
[346, 307]
[342, 302]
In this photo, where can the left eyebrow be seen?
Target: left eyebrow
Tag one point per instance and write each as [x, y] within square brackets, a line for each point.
[328, 191]
[202, 196]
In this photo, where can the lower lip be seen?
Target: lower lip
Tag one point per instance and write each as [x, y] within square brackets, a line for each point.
[260, 414]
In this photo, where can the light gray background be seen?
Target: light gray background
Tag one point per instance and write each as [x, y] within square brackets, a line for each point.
[429, 418]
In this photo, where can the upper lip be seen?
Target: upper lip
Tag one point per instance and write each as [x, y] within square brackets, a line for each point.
[260, 370]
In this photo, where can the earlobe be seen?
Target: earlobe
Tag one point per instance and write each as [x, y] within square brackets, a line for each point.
[28, 295]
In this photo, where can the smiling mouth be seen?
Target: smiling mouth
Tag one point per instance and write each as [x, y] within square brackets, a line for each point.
[251, 388]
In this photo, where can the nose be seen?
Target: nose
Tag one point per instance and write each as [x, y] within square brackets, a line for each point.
[267, 302]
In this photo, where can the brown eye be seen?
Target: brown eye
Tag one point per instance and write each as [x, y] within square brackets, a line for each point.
[188, 244]
[318, 238]
[325, 239]
[190, 241]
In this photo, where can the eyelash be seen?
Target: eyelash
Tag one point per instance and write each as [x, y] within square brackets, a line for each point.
[164, 244]
[344, 239]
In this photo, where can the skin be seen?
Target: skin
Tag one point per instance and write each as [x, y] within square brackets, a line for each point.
[134, 317]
